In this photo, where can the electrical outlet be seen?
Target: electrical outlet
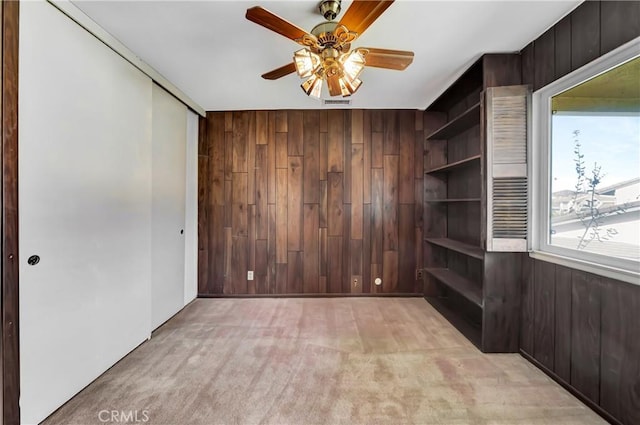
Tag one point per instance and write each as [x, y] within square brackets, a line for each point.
[418, 274]
[250, 275]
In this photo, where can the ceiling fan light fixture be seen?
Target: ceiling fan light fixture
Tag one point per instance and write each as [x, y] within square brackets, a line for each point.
[353, 63]
[349, 86]
[313, 86]
[329, 9]
[306, 62]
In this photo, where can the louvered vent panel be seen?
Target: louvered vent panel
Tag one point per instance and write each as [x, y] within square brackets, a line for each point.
[510, 130]
[510, 208]
[507, 185]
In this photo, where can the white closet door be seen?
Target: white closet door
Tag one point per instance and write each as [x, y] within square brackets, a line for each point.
[191, 219]
[85, 196]
[169, 134]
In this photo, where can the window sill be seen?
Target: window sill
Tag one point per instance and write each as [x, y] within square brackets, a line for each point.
[586, 266]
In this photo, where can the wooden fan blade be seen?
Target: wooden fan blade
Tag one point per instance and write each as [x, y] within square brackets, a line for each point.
[361, 14]
[262, 16]
[280, 72]
[389, 59]
[333, 84]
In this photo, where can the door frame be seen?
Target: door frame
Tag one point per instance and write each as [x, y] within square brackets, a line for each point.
[10, 333]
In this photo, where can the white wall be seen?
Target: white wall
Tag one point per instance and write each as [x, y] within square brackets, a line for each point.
[191, 211]
[85, 188]
[169, 134]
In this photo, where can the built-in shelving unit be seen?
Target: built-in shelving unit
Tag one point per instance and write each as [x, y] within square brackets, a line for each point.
[454, 200]
[463, 286]
[465, 120]
[463, 281]
[452, 166]
[457, 246]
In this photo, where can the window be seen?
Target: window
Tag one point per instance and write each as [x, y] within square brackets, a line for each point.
[586, 167]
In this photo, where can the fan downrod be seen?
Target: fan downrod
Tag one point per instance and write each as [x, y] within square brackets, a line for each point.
[329, 9]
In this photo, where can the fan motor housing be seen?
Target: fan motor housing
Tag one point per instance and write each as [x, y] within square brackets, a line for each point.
[329, 9]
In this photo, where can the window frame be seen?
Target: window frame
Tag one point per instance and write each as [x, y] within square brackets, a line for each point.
[540, 171]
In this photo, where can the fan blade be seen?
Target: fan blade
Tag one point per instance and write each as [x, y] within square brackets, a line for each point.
[333, 84]
[262, 16]
[389, 59]
[280, 72]
[361, 14]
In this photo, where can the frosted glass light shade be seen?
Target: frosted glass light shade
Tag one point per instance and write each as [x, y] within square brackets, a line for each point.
[313, 86]
[306, 62]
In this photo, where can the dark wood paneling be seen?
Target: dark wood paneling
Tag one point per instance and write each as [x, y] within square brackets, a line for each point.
[9, 343]
[406, 160]
[346, 194]
[281, 216]
[619, 23]
[596, 349]
[585, 34]
[528, 65]
[501, 301]
[240, 141]
[311, 157]
[311, 247]
[335, 141]
[357, 171]
[261, 173]
[391, 142]
[335, 206]
[377, 233]
[562, 340]
[298, 197]
[334, 264]
[499, 70]
[620, 351]
[562, 47]
[545, 55]
[527, 317]
[585, 335]
[406, 248]
[294, 273]
[294, 204]
[295, 127]
[544, 302]
[390, 203]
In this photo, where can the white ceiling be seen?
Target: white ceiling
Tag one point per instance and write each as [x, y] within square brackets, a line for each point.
[215, 56]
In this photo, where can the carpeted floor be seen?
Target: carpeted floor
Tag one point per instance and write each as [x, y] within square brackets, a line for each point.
[319, 361]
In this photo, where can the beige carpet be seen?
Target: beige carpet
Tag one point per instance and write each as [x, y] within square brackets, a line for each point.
[319, 361]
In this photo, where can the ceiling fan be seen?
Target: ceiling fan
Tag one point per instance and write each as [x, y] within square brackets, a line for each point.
[327, 54]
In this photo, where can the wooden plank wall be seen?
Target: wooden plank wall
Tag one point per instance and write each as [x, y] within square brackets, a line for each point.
[314, 202]
[9, 345]
[582, 328]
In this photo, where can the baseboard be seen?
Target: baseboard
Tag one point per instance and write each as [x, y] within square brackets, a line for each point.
[590, 403]
[385, 295]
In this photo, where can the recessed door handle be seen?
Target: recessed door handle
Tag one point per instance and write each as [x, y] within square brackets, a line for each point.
[33, 260]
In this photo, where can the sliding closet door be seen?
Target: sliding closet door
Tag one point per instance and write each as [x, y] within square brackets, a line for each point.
[191, 211]
[169, 135]
[85, 196]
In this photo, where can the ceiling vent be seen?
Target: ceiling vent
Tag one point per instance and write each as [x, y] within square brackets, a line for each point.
[336, 102]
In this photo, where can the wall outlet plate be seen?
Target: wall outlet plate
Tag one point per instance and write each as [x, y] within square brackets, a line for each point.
[250, 275]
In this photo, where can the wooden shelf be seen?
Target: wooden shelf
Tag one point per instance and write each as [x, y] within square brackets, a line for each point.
[448, 167]
[466, 328]
[461, 285]
[457, 246]
[454, 200]
[466, 120]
